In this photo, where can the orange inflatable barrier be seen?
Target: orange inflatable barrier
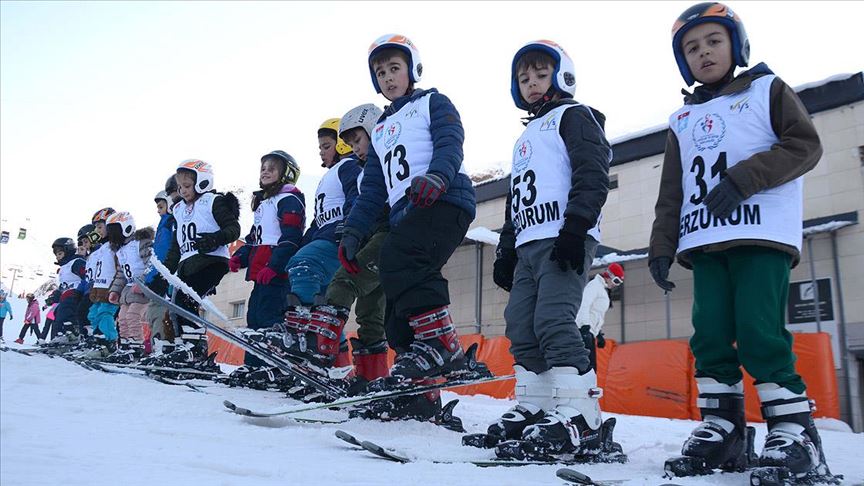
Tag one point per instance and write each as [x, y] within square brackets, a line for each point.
[649, 378]
[226, 352]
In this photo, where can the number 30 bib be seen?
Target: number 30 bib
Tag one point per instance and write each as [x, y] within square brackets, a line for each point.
[715, 136]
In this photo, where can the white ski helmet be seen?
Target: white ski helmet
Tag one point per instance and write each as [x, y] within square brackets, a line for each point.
[203, 174]
[125, 220]
[161, 196]
[365, 116]
[563, 77]
[415, 67]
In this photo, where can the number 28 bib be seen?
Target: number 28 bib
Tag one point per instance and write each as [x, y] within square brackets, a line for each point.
[715, 136]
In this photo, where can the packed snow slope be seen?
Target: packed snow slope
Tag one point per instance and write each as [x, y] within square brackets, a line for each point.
[63, 424]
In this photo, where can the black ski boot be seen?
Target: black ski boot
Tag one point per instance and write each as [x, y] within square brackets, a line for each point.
[723, 440]
[793, 450]
[533, 397]
[127, 352]
[436, 350]
[573, 430]
[424, 407]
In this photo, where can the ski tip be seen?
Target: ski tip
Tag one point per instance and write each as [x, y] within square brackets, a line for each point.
[573, 476]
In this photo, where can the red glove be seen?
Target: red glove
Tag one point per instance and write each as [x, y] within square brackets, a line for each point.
[113, 297]
[348, 253]
[234, 263]
[265, 275]
[426, 189]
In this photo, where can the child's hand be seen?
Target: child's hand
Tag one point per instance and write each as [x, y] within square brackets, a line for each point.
[234, 264]
[265, 275]
[659, 268]
[426, 189]
[207, 242]
[348, 248]
[503, 268]
[723, 199]
[113, 297]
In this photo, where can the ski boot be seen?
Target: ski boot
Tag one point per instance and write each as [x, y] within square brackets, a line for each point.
[370, 363]
[423, 407]
[255, 377]
[100, 352]
[319, 344]
[190, 354]
[127, 352]
[723, 440]
[436, 351]
[572, 430]
[533, 396]
[793, 450]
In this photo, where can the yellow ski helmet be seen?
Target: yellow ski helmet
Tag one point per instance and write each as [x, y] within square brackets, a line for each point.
[330, 127]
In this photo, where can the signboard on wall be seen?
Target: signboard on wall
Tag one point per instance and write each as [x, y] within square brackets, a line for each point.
[801, 311]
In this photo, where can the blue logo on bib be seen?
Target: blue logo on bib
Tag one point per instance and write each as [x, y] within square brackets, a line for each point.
[709, 131]
[391, 134]
[522, 156]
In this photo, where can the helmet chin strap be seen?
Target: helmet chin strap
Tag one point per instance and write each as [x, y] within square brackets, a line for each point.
[535, 107]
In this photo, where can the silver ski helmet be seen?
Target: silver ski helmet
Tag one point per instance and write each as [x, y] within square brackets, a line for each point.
[365, 116]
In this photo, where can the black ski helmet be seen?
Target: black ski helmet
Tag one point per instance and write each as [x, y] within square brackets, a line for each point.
[291, 170]
[66, 244]
[710, 12]
[171, 185]
[88, 232]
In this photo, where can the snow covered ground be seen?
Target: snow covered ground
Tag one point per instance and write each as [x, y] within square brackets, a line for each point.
[63, 424]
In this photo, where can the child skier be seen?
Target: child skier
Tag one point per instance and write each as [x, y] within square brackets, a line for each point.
[31, 318]
[87, 238]
[280, 217]
[592, 309]
[415, 164]
[559, 181]
[133, 248]
[730, 209]
[101, 269]
[5, 308]
[160, 336]
[359, 281]
[315, 331]
[64, 330]
[207, 221]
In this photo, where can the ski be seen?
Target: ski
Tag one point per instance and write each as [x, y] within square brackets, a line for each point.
[395, 456]
[383, 395]
[285, 365]
[233, 408]
[134, 366]
[782, 476]
[106, 368]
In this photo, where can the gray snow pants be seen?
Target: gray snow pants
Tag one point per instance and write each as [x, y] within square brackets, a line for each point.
[541, 312]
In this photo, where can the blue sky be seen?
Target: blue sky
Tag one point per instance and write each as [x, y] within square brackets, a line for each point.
[100, 101]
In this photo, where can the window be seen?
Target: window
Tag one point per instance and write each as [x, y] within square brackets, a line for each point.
[238, 310]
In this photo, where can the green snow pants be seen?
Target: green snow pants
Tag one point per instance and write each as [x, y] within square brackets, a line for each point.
[365, 289]
[739, 298]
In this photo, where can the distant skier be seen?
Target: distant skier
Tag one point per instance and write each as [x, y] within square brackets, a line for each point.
[5, 308]
[31, 319]
[592, 309]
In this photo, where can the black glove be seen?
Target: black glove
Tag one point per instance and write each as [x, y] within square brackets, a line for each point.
[723, 199]
[659, 268]
[503, 268]
[159, 285]
[600, 340]
[340, 229]
[207, 242]
[348, 248]
[426, 189]
[569, 248]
